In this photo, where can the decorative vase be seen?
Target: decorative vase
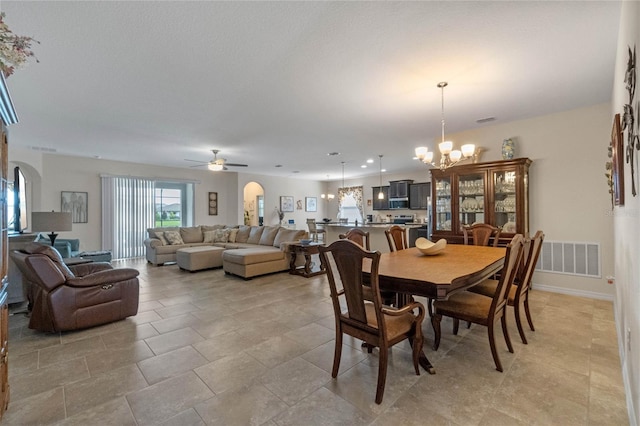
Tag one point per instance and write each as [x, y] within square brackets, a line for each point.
[508, 149]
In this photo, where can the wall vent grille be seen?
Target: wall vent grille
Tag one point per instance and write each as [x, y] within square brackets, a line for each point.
[572, 258]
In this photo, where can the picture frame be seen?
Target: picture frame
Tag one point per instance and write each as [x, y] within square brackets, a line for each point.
[617, 160]
[213, 204]
[76, 203]
[311, 204]
[286, 203]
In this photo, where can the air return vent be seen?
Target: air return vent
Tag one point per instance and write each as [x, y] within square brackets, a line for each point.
[570, 258]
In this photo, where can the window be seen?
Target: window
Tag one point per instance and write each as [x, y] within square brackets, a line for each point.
[350, 207]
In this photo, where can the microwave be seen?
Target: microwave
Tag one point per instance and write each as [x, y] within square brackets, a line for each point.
[398, 203]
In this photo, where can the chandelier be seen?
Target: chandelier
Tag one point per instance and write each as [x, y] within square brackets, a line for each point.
[448, 156]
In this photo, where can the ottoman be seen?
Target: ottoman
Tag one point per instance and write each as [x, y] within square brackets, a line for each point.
[198, 258]
[251, 262]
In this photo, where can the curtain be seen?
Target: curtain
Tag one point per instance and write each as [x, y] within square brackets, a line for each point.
[356, 193]
[127, 211]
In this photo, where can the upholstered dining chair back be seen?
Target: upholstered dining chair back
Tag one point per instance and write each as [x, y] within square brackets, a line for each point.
[480, 234]
[358, 236]
[365, 317]
[397, 238]
[480, 309]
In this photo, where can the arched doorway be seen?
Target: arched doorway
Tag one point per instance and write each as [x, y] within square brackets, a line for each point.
[253, 204]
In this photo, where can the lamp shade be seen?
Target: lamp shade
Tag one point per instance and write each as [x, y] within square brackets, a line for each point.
[50, 221]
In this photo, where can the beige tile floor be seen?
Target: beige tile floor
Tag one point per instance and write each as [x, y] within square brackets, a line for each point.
[210, 349]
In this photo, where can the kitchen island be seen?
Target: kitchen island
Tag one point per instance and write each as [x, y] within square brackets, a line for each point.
[377, 239]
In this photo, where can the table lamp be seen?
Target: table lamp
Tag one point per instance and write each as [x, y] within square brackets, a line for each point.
[51, 221]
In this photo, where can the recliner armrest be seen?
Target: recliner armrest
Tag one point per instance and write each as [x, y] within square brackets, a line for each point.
[109, 276]
[84, 269]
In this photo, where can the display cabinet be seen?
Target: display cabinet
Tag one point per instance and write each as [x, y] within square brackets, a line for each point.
[495, 192]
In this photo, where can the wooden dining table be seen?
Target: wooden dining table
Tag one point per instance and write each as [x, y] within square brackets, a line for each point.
[409, 272]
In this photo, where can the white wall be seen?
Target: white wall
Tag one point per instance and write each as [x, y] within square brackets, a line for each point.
[627, 229]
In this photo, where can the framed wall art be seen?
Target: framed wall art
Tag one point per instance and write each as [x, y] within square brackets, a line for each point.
[213, 203]
[286, 203]
[311, 204]
[77, 204]
[617, 161]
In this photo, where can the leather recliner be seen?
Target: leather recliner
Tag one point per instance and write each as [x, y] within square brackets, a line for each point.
[68, 298]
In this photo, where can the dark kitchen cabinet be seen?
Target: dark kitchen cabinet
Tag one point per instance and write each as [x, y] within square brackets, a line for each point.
[399, 188]
[380, 204]
[419, 194]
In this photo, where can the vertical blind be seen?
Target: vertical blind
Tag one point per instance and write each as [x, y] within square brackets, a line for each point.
[128, 210]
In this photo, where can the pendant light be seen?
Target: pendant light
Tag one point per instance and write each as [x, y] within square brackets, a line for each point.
[380, 194]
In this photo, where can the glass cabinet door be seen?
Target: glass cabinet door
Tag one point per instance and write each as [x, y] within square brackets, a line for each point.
[442, 221]
[471, 198]
[504, 183]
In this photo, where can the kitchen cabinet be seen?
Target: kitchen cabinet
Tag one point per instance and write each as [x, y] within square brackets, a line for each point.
[419, 194]
[380, 204]
[495, 192]
[399, 188]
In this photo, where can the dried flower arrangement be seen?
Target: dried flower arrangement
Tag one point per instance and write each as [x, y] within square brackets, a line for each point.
[15, 50]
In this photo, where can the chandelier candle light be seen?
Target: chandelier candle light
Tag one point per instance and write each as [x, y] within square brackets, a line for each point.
[449, 156]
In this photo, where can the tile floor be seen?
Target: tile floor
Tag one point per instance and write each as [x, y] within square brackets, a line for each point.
[210, 349]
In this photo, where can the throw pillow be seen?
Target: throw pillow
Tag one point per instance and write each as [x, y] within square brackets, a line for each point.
[288, 235]
[191, 234]
[268, 235]
[162, 238]
[243, 234]
[233, 232]
[255, 234]
[208, 236]
[220, 235]
[173, 237]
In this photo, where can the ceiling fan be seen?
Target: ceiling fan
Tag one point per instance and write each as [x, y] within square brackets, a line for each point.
[216, 164]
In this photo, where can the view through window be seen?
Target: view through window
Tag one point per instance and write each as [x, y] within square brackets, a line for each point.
[170, 204]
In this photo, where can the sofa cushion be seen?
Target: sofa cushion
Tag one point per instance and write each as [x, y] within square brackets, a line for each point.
[248, 256]
[160, 236]
[268, 235]
[206, 228]
[221, 235]
[207, 236]
[152, 231]
[233, 233]
[191, 234]
[173, 237]
[254, 234]
[287, 235]
[243, 234]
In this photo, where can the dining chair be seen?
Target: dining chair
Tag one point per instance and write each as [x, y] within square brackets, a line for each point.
[315, 231]
[397, 238]
[358, 236]
[518, 294]
[481, 234]
[369, 320]
[480, 309]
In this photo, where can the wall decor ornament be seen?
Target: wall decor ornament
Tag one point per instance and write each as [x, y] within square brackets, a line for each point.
[616, 185]
[213, 203]
[311, 204]
[75, 203]
[628, 120]
[286, 203]
[508, 149]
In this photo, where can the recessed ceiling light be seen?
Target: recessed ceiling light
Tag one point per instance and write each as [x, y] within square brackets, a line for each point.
[383, 170]
[364, 166]
[333, 153]
[370, 160]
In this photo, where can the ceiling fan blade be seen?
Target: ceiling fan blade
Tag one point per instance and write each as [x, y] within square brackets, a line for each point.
[235, 165]
[198, 165]
[196, 161]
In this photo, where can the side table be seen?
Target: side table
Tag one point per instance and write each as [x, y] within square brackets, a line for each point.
[307, 250]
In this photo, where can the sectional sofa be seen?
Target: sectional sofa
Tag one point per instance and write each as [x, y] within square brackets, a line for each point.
[248, 250]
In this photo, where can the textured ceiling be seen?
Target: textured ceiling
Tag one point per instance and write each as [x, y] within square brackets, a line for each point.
[284, 83]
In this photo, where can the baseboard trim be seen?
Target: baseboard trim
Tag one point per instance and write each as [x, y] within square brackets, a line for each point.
[572, 292]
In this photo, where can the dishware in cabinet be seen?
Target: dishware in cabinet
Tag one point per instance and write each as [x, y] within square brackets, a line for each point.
[494, 192]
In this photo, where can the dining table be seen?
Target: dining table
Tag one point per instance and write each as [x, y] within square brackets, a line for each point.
[409, 273]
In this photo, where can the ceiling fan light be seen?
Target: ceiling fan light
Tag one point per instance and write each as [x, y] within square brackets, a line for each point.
[216, 167]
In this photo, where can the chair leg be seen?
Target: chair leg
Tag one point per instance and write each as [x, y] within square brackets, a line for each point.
[382, 373]
[505, 331]
[516, 312]
[456, 326]
[528, 313]
[435, 323]
[492, 344]
[337, 354]
[430, 307]
[416, 345]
